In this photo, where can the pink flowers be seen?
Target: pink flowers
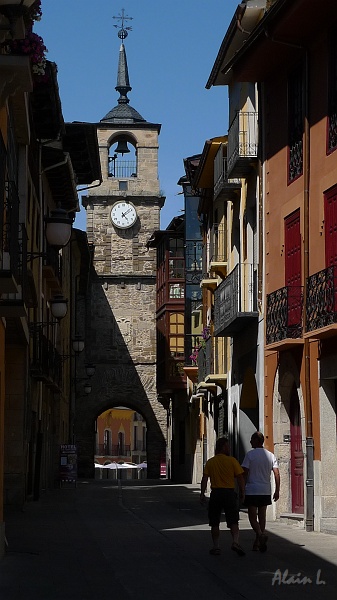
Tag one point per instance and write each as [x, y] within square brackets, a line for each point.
[33, 46]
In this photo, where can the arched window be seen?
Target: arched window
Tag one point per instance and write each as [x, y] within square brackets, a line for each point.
[107, 442]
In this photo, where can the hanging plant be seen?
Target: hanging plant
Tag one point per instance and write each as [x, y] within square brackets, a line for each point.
[33, 46]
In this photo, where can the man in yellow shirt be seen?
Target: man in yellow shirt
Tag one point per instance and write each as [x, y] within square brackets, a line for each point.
[222, 470]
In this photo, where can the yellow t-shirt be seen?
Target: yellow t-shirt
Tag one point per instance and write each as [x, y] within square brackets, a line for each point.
[222, 470]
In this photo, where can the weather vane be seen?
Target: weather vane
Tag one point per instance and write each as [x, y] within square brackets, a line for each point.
[123, 31]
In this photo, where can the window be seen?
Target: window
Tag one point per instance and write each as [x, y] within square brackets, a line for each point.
[332, 90]
[123, 186]
[107, 442]
[176, 290]
[295, 125]
[176, 327]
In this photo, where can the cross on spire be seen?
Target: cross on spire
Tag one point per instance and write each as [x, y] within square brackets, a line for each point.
[123, 31]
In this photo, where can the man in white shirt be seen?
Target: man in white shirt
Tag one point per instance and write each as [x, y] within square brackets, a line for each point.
[258, 465]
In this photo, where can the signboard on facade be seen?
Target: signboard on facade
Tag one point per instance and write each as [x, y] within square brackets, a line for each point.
[68, 463]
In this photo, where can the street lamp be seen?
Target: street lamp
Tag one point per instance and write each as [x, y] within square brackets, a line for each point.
[58, 306]
[90, 369]
[78, 344]
[58, 228]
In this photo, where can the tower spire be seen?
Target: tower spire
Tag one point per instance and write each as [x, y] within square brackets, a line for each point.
[123, 82]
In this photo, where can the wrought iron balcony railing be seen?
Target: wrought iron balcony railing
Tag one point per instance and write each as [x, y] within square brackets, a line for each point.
[205, 360]
[10, 255]
[113, 450]
[242, 143]
[46, 362]
[321, 301]
[332, 132]
[222, 183]
[235, 300]
[284, 318]
[122, 168]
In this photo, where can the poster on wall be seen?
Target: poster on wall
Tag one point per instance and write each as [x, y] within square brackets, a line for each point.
[68, 463]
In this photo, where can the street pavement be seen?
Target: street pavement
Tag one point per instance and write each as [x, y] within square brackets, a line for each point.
[150, 540]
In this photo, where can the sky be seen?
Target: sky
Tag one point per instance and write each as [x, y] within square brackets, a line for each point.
[170, 51]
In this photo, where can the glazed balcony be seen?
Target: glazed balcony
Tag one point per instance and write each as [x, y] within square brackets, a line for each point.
[222, 184]
[321, 301]
[242, 144]
[284, 315]
[235, 301]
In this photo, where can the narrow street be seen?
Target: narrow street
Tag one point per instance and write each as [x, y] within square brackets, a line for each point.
[150, 540]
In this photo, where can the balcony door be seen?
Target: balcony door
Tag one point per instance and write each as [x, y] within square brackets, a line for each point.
[292, 243]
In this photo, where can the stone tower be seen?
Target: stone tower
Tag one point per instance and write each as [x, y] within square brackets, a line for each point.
[122, 214]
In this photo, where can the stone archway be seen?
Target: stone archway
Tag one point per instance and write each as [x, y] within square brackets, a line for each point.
[126, 386]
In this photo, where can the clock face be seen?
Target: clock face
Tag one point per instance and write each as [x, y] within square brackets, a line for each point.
[123, 214]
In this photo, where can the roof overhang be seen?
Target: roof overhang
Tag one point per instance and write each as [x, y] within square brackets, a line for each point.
[204, 175]
[287, 27]
[80, 140]
[57, 167]
[245, 19]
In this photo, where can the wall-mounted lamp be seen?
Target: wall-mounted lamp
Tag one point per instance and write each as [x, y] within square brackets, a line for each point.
[78, 344]
[90, 369]
[58, 231]
[58, 228]
[87, 388]
[58, 306]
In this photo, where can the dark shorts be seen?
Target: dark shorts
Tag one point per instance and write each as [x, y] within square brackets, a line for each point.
[257, 500]
[225, 500]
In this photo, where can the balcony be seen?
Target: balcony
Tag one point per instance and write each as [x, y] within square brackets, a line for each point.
[235, 301]
[122, 169]
[15, 76]
[217, 250]
[10, 257]
[242, 144]
[46, 362]
[222, 184]
[284, 316]
[205, 360]
[113, 450]
[321, 302]
[14, 275]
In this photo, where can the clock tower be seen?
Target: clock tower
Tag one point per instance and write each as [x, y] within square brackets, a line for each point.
[122, 213]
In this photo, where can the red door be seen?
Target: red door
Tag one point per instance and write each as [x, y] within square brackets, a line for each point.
[330, 219]
[296, 455]
[292, 237]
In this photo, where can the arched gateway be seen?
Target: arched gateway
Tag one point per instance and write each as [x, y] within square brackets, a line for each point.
[119, 308]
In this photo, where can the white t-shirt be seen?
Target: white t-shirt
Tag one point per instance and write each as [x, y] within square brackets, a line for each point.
[260, 463]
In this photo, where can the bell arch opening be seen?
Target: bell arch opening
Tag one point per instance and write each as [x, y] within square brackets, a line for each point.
[122, 156]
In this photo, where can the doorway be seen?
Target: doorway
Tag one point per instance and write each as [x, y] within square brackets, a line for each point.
[296, 454]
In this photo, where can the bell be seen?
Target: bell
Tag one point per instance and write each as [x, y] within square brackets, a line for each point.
[122, 146]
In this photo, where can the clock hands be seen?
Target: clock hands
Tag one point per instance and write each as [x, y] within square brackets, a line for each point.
[126, 212]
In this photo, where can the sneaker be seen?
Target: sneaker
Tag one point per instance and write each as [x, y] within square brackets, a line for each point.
[263, 539]
[237, 548]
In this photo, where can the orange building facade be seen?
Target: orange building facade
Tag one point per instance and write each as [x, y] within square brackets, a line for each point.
[295, 67]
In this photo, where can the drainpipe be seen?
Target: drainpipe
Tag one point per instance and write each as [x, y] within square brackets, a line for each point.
[309, 516]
